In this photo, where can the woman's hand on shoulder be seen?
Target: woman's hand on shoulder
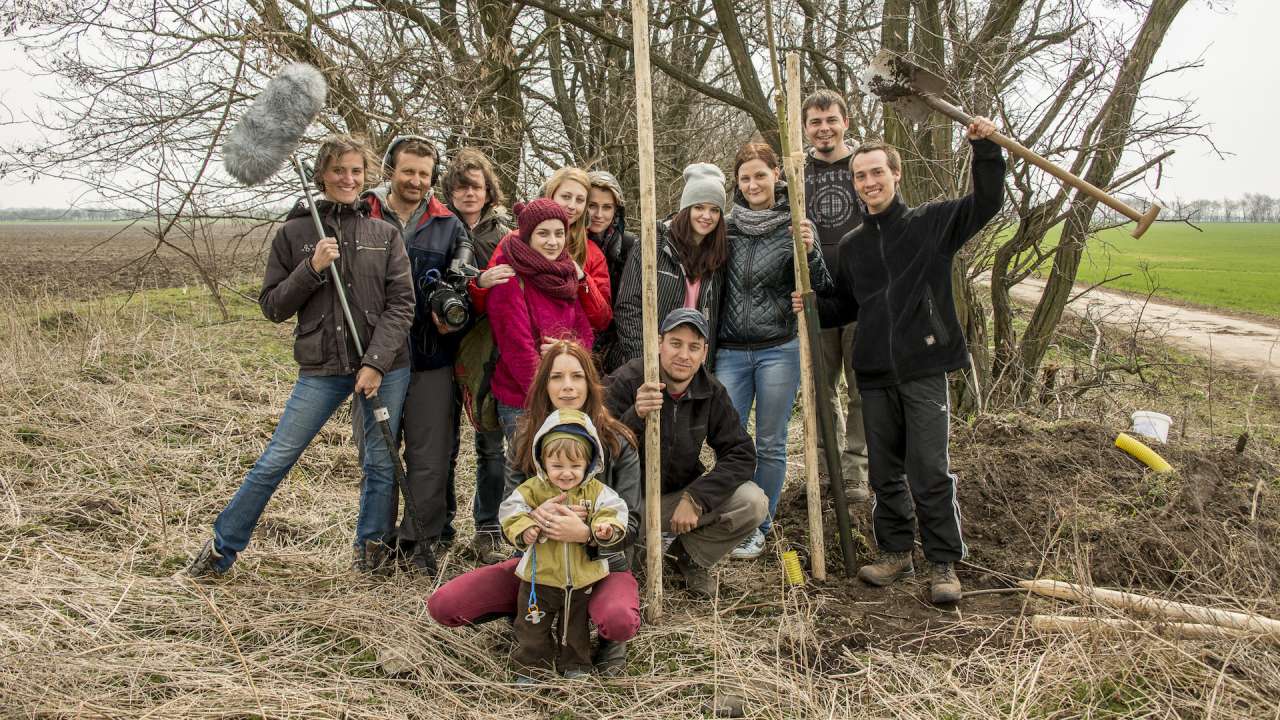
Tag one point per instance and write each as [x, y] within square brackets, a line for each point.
[496, 275]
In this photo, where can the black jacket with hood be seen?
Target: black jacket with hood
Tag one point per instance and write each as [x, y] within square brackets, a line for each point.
[379, 291]
[703, 414]
[760, 276]
[894, 278]
[617, 245]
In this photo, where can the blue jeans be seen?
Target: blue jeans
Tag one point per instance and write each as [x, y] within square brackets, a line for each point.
[770, 378]
[490, 480]
[313, 400]
[507, 418]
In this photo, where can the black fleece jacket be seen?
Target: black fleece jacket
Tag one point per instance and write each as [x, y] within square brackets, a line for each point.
[894, 278]
[703, 413]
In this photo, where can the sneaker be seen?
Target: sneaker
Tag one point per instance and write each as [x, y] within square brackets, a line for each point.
[525, 680]
[205, 563]
[751, 548]
[887, 568]
[488, 547]
[698, 581]
[944, 586]
[576, 674]
[667, 539]
[611, 658]
[857, 491]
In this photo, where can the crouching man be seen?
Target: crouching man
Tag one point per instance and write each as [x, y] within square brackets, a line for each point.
[707, 511]
[893, 276]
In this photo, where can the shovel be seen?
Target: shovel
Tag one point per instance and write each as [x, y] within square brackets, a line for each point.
[915, 92]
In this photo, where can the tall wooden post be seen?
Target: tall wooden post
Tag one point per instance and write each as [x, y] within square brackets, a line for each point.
[649, 308]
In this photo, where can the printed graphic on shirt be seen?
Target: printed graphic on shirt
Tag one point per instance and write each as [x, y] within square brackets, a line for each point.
[832, 205]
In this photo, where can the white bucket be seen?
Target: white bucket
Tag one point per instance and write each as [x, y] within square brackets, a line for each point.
[1152, 424]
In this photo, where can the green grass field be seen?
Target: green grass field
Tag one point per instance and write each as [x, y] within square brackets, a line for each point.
[1234, 266]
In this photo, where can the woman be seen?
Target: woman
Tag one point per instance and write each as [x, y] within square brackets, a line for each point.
[568, 188]
[566, 378]
[607, 228]
[542, 303]
[298, 282]
[758, 358]
[692, 252]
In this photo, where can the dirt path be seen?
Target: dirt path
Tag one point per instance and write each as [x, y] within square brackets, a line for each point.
[1251, 344]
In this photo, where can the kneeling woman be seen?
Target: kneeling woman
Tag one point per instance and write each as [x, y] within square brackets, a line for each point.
[565, 379]
[372, 260]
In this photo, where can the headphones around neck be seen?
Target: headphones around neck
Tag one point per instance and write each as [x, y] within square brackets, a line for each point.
[389, 159]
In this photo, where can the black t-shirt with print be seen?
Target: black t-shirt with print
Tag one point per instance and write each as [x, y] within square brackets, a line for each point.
[831, 204]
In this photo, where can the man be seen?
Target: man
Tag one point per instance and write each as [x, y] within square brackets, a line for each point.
[832, 207]
[894, 276]
[472, 193]
[432, 236]
[708, 511]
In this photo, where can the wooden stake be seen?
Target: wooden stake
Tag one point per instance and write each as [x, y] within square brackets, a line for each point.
[649, 307]
[1175, 630]
[1163, 608]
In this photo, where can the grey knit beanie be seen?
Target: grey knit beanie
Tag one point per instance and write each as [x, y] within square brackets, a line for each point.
[703, 183]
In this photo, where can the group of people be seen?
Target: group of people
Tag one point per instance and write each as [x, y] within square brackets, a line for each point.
[556, 289]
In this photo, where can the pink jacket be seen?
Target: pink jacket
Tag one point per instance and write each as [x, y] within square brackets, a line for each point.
[521, 315]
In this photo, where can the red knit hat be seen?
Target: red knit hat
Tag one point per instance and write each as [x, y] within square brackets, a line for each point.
[533, 214]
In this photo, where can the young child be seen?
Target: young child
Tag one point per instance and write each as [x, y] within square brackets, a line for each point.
[556, 577]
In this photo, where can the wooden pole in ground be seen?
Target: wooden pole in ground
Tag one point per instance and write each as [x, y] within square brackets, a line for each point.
[649, 307]
[1155, 606]
[819, 413]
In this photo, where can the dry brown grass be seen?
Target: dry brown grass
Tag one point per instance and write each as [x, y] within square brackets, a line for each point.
[123, 432]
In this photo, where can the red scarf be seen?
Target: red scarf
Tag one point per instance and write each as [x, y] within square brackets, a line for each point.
[557, 278]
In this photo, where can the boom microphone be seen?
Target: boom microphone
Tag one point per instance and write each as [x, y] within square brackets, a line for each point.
[272, 128]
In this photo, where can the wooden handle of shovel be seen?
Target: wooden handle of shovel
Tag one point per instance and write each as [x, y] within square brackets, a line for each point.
[1144, 220]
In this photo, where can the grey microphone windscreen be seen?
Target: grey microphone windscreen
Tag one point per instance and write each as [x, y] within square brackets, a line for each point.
[272, 128]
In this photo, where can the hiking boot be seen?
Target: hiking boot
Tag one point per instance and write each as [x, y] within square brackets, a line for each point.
[488, 547]
[372, 559]
[887, 568]
[205, 563]
[751, 548]
[857, 491]
[611, 658]
[698, 581]
[423, 559]
[944, 586]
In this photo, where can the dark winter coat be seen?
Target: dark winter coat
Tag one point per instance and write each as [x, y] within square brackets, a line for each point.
[894, 278]
[494, 223]
[760, 278]
[703, 414]
[672, 281]
[617, 245]
[379, 291]
[430, 247]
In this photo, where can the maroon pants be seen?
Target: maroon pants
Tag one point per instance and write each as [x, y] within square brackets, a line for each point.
[489, 592]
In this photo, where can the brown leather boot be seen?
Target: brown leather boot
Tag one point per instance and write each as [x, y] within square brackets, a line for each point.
[944, 586]
[888, 567]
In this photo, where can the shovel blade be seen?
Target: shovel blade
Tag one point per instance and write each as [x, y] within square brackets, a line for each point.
[899, 83]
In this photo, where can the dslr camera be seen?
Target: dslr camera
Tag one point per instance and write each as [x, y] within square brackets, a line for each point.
[447, 293]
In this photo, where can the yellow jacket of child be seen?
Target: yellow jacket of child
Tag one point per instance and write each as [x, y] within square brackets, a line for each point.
[562, 564]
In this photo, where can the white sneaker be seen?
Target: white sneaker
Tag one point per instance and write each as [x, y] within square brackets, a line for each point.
[751, 548]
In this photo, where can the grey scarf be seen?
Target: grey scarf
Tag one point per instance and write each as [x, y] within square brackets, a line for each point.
[759, 222]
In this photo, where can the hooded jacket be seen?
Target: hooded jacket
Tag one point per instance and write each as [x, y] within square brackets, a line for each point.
[672, 281]
[894, 278]
[431, 246]
[830, 203]
[563, 564]
[521, 315]
[618, 247]
[379, 291]
[703, 414]
[760, 276]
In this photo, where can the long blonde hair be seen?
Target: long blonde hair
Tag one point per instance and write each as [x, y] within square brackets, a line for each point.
[578, 231]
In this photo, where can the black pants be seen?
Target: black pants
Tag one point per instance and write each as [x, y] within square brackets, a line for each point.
[538, 645]
[907, 436]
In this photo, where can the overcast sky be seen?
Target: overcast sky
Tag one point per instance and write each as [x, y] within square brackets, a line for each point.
[1236, 89]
